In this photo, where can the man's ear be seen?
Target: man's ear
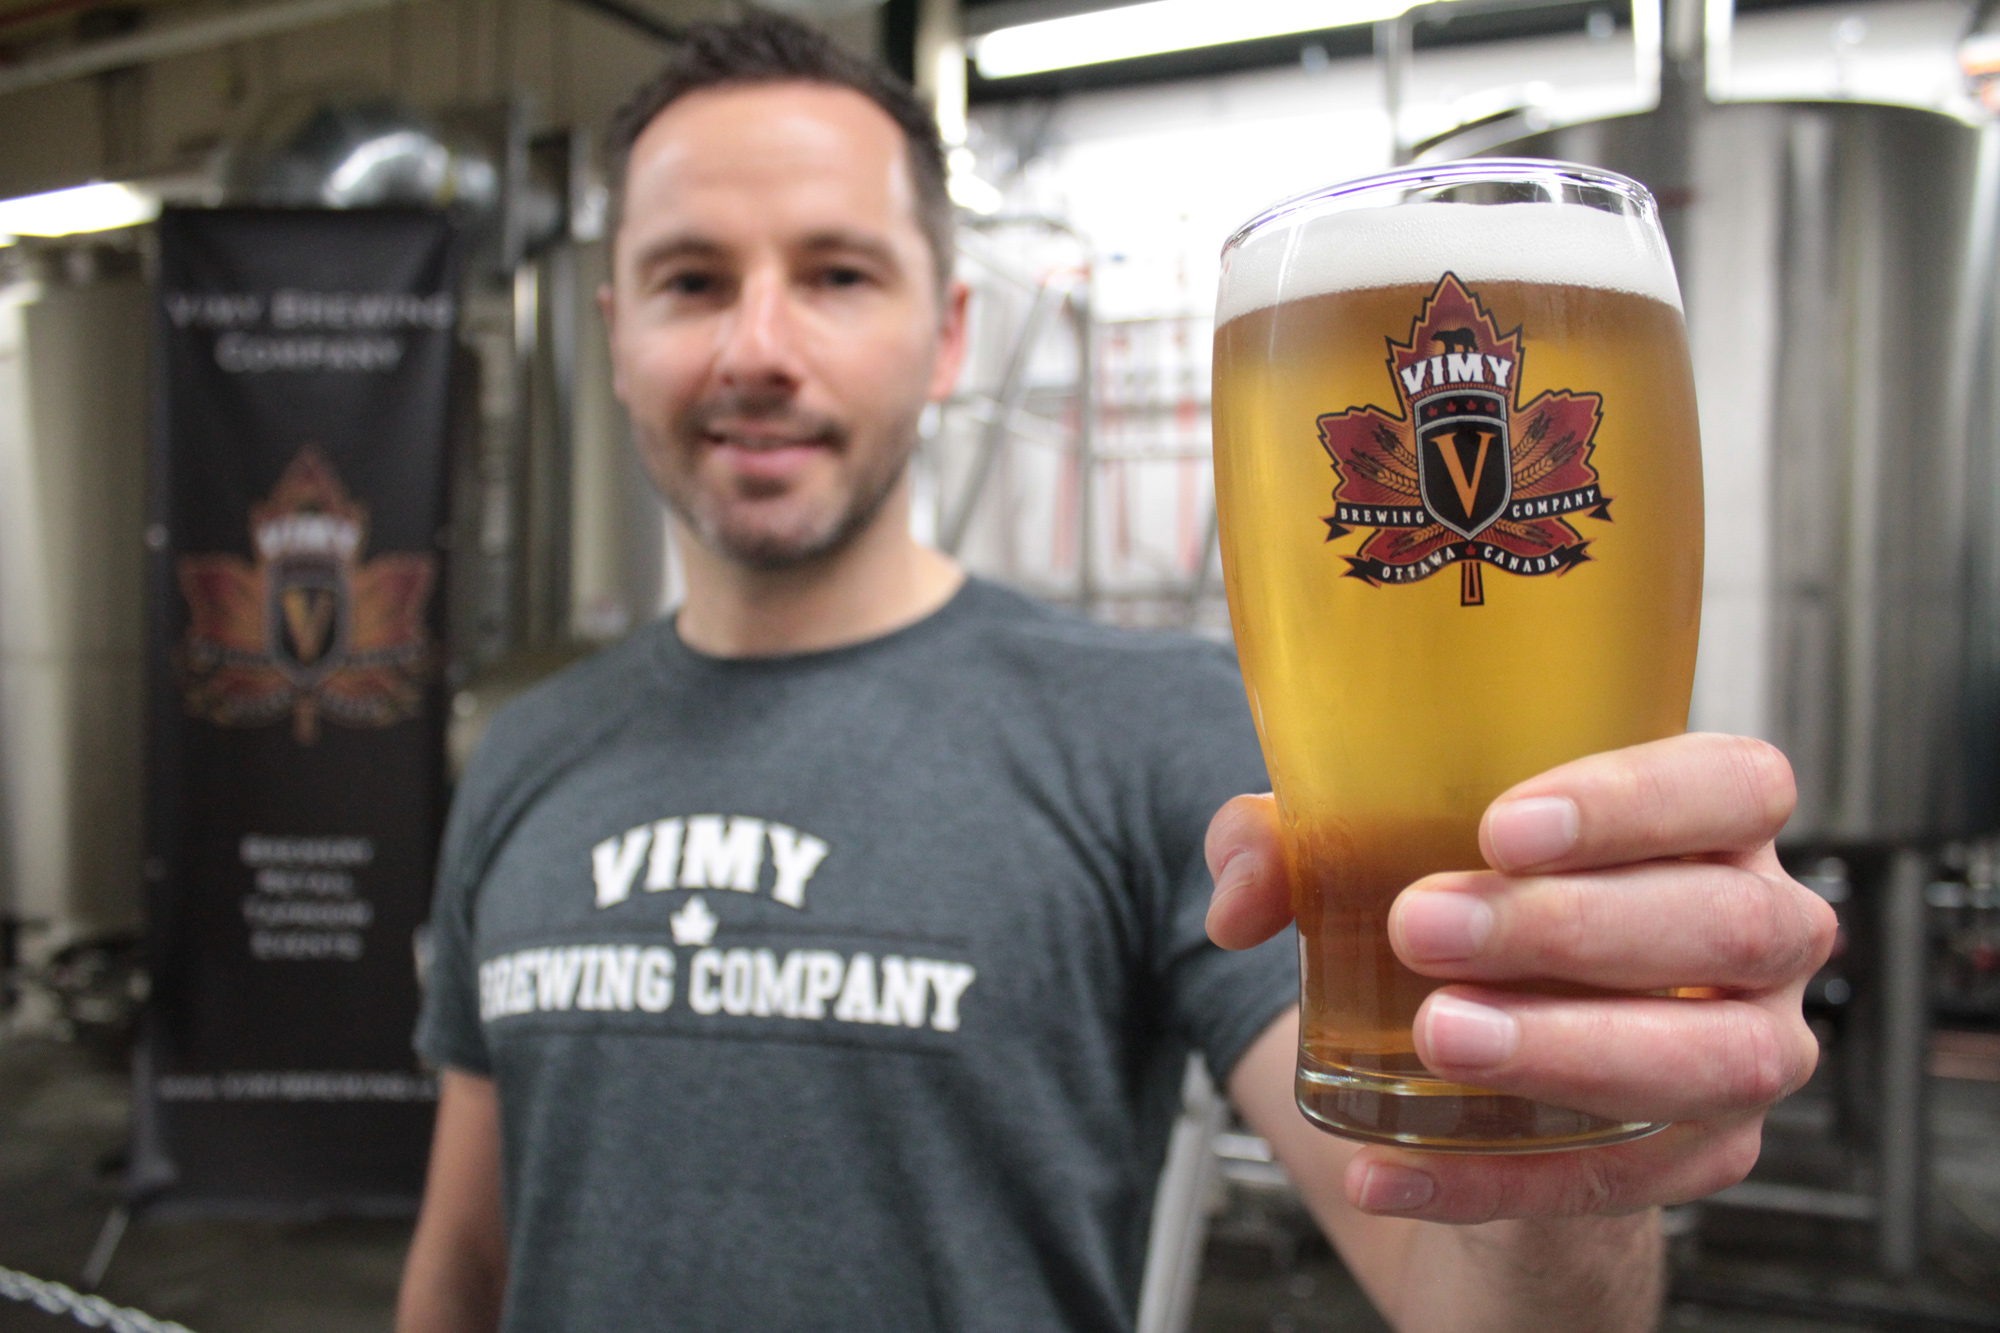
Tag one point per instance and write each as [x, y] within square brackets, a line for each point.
[951, 341]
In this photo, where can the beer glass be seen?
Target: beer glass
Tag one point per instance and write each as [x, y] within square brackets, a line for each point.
[1459, 487]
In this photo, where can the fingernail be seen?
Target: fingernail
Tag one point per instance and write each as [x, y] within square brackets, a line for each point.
[1531, 831]
[1235, 873]
[1459, 1034]
[1443, 927]
[1395, 1189]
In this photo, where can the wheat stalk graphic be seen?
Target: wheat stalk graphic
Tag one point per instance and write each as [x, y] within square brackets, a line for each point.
[1385, 474]
[1391, 444]
[1558, 455]
[1404, 542]
[1521, 532]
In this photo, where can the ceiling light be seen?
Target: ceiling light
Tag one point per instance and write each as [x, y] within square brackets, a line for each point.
[85, 208]
[1160, 26]
[966, 189]
[970, 192]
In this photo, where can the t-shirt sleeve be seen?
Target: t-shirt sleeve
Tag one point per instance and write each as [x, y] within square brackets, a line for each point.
[1206, 752]
[449, 1033]
[526, 748]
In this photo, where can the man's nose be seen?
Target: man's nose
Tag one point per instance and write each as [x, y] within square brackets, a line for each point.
[759, 341]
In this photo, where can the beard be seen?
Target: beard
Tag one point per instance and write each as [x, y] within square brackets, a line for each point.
[734, 521]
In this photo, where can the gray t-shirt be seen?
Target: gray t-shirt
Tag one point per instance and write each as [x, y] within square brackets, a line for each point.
[847, 990]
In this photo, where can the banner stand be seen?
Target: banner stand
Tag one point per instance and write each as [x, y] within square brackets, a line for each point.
[296, 780]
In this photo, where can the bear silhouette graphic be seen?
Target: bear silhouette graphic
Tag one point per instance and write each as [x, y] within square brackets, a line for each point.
[1456, 340]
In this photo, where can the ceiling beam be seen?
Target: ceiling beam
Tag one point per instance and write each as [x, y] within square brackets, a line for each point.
[178, 39]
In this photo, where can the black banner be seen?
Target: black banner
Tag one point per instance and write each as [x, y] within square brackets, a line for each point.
[296, 785]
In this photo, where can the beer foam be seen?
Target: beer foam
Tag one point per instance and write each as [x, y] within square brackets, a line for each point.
[1571, 244]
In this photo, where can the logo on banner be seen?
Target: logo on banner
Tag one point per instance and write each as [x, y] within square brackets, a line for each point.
[308, 628]
[1466, 474]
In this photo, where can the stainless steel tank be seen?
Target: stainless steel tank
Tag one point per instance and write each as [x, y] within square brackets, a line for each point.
[73, 362]
[1839, 286]
[1837, 263]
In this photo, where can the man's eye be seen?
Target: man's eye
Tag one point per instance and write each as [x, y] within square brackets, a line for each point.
[689, 284]
[841, 275]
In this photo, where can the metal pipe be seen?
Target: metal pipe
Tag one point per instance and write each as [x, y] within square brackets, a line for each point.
[1013, 386]
[179, 39]
[1086, 447]
[1211, 538]
[633, 17]
[1648, 58]
[1180, 1207]
[1392, 53]
[105, 1248]
[520, 562]
[1905, 1042]
[558, 512]
[1718, 46]
[1395, 48]
[940, 67]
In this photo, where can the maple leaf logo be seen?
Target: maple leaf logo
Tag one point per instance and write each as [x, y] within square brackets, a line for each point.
[307, 628]
[1465, 474]
[694, 924]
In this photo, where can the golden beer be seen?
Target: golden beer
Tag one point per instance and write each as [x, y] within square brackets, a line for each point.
[1459, 481]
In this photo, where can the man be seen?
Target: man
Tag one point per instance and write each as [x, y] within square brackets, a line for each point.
[826, 957]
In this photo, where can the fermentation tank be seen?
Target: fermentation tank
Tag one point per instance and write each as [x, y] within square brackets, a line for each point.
[1838, 282]
[72, 503]
[1837, 264]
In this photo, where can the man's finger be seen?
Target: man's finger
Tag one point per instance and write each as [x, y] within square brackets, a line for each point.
[1630, 1058]
[1685, 796]
[1246, 856]
[1680, 1163]
[1644, 927]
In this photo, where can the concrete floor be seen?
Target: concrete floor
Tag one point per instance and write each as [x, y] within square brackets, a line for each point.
[63, 1110]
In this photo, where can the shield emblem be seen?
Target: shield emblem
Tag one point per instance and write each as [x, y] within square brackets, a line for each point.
[1465, 468]
[308, 617]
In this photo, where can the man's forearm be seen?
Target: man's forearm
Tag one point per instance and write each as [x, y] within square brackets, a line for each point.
[456, 1275]
[1572, 1275]
[450, 1289]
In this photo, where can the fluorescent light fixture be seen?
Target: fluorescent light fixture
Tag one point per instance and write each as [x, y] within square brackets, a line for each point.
[69, 212]
[966, 189]
[970, 192]
[1160, 26]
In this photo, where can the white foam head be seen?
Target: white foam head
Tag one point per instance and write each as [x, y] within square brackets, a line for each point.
[1354, 249]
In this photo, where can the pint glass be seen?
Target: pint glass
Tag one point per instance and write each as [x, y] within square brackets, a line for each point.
[1459, 486]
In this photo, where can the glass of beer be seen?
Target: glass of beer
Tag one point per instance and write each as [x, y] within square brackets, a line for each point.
[1459, 484]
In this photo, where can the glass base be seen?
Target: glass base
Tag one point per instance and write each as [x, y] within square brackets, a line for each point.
[1428, 1113]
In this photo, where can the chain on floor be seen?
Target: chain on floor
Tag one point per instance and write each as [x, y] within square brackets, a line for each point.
[90, 1311]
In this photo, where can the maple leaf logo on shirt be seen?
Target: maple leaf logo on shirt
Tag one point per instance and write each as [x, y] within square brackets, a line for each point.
[694, 924]
[307, 628]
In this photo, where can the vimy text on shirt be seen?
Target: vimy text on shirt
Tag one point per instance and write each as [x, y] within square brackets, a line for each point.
[729, 853]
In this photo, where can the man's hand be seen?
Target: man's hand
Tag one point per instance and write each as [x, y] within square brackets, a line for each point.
[1641, 870]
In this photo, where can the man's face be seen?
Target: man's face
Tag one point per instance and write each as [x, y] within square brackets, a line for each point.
[776, 327]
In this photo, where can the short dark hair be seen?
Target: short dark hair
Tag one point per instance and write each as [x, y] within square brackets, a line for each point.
[763, 47]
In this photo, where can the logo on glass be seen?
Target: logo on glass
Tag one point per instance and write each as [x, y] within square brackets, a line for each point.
[1465, 474]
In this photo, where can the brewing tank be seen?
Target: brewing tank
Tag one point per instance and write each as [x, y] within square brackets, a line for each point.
[73, 367]
[1836, 262]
